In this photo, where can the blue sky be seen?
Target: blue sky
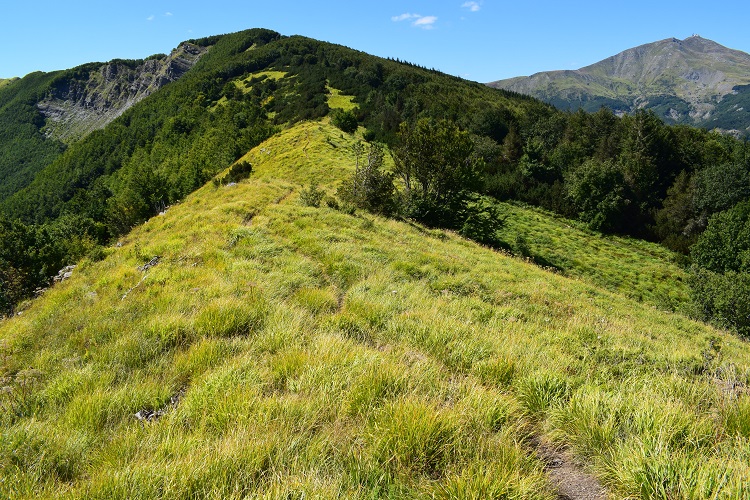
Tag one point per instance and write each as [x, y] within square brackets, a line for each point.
[481, 40]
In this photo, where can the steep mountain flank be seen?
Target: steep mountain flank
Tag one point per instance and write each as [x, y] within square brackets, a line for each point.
[694, 81]
[42, 114]
[94, 95]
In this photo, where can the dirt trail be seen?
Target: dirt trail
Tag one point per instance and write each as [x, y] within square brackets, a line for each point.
[569, 480]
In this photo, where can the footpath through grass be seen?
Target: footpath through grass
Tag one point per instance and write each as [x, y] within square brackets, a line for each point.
[303, 352]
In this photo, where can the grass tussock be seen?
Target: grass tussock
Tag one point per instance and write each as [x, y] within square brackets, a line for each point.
[295, 351]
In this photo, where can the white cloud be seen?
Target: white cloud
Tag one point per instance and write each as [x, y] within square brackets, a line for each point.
[150, 18]
[168, 14]
[472, 6]
[424, 22]
[404, 17]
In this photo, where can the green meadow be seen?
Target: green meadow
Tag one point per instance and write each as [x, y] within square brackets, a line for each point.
[303, 352]
[635, 268]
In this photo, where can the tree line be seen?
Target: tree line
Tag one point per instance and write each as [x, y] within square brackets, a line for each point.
[629, 175]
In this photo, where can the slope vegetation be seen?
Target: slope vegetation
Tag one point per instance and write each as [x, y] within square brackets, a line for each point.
[91, 96]
[6, 81]
[225, 104]
[43, 113]
[632, 176]
[25, 150]
[279, 350]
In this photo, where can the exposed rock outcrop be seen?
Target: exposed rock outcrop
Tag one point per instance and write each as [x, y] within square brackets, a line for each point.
[88, 100]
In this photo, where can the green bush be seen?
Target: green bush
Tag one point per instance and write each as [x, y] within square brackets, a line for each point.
[439, 170]
[721, 261]
[345, 120]
[723, 298]
[311, 196]
[598, 191]
[725, 244]
[370, 187]
[237, 172]
[482, 224]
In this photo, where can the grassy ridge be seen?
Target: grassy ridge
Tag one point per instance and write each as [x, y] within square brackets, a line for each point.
[323, 354]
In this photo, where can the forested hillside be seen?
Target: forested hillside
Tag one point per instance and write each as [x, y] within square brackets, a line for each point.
[25, 150]
[631, 175]
[42, 113]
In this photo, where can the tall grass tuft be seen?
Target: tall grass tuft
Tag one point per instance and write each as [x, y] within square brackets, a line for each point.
[410, 437]
[538, 393]
[736, 417]
[230, 316]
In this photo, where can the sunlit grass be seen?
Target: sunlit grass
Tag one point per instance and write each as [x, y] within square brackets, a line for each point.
[6, 81]
[337, 100]
[637, 269]
[320, 354]
[245, 85]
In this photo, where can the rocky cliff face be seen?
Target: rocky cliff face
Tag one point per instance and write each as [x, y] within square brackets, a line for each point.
[695, 81]
[92, 97]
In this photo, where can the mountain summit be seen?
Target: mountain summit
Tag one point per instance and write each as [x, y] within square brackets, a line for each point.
[695, 81]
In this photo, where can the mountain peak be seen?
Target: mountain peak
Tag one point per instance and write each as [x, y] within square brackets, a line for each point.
[694, 80]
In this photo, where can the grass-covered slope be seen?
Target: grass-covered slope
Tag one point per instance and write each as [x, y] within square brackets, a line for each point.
[6, 81]
[305, 352]
[635, 268]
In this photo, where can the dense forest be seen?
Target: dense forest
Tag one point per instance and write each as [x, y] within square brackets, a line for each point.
[680, 186]
[25, 150]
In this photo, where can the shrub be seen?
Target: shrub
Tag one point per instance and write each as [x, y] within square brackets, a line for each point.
[369, 135]
[723, 298]
[725, 244]
[237, 172]
[311, 196]
[345, 120]
[482, 224]
[721, 260]
[439, 168]
[370, 188]
[598, 191]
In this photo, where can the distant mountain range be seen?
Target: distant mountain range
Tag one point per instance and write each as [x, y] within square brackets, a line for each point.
[693, 81]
